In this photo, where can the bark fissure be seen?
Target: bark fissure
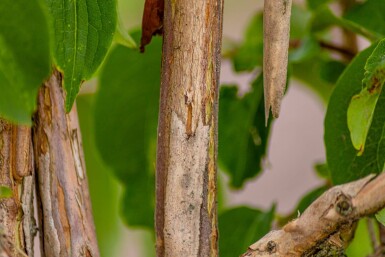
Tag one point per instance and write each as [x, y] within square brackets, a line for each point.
[17, 229]
[66, 216]
[187, 133]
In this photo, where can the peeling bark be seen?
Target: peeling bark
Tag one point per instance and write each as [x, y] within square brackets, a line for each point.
[328, 224]
[276, 34]
[17, 223]
[186, 220]
[66, 221]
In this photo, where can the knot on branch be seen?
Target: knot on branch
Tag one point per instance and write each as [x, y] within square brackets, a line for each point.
[344, 205]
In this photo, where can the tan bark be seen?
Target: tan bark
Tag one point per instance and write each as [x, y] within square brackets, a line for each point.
[328, 224]
[186, 222]
[17, 224]
[276, 33]
[66, 221]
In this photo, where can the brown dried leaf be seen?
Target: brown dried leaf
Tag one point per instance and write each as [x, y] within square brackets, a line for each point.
[152, 21]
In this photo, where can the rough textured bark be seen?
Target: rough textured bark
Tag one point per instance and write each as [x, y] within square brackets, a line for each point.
[17, 224]
[276, 34]
[186, 220]
[66, 222]
[328, 224]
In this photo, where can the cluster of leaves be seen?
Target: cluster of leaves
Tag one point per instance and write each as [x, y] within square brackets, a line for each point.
[119, 121]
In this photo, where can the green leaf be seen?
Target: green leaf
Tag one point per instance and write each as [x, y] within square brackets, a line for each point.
[242, 132]
[314, 4]
[309, 71]
[309, 48]
[240, 227]
[123, 38]
[5, 192]
[362, 106]
[380, 216]
[126, 111]
[322, 170]
[343, 162]
[250, 53]
[103, 187]
[309, 198]
[24, 57]
[299, 22]
[331, 70]
[323, 18]
[83, 32]
[361, 244]
[369, 15]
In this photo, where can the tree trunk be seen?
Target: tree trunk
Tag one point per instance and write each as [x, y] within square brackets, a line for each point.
[65, 214]
[18, 226]
[186, 216]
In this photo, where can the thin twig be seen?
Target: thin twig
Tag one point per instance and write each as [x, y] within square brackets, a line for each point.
[348, 53]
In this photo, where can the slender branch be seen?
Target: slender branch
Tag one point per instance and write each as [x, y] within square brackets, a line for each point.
[186, 222]
[328, 223]
[66, 221]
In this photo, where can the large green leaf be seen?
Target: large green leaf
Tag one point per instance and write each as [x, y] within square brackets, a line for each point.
[369, 15]
[343, 162]
[126, 113]
[102, 185]
[362, 106]
[242, 135]
[240, 227]
[24, 57]
[83, 32]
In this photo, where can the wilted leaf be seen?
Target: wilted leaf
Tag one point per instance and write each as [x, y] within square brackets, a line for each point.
[240, 227]
[343, 162]
[126, 111]
[83, 32]
[242, 133]
[362, 106]
[24, 57]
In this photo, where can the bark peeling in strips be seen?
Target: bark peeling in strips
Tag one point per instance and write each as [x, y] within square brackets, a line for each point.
[17, 223]
[276, 33]
[186, 220]
[66, 221]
